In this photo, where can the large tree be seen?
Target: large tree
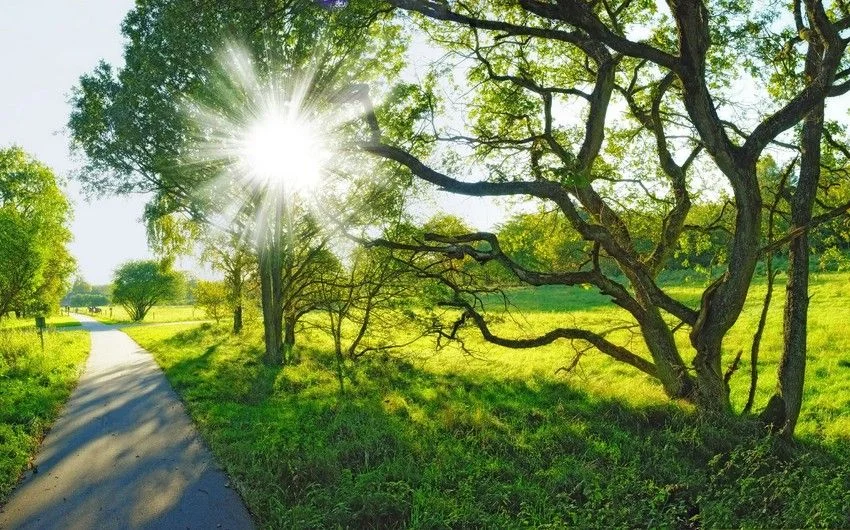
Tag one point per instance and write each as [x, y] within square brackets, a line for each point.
[132, 126]
[545, 87]
[35, 264]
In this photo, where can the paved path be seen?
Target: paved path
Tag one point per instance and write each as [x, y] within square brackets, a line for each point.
[124, 454]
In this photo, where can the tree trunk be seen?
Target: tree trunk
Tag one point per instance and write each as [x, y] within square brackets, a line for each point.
[237, 319]
[288, 338]
[670, 366]
[336, 331]
[269, 269]
[723, 301]
[792, 365]
[783, 409]
[711, 393]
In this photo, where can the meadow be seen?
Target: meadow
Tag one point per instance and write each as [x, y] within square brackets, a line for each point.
[34, 384]
[491, 437]
[164, 313]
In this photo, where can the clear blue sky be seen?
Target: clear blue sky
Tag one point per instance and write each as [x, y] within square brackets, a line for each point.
[45, 45]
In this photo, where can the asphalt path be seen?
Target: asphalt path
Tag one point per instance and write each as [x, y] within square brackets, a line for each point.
[123, 454]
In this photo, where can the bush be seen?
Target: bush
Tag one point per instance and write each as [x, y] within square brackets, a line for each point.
[763, 484]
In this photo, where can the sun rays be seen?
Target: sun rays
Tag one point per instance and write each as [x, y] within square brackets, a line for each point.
[263, 135]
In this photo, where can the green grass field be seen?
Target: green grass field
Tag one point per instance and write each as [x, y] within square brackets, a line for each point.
[53, 321]
[501, 438]
[33, 388]
[158, 314]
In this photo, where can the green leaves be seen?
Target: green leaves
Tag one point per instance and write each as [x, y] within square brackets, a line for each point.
[139, 285]
[34, 261]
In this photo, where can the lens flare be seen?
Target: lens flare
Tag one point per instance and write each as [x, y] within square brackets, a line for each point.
[284, 153]
[264, 141]
[265, 133]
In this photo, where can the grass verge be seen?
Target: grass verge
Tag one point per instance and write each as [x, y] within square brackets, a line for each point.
[53, 321]
[408, 445]
[33, 388]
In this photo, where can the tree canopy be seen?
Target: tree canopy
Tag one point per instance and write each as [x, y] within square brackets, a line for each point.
[139, 285]
[35, 265]
[545, 87]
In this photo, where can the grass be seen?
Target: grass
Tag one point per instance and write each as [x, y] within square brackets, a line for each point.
[53, 321]
[158, 314]
[431, 439]
[33, 387]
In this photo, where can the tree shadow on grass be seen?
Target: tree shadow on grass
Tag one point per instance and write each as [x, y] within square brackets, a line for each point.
[403, 447]
[238, 375]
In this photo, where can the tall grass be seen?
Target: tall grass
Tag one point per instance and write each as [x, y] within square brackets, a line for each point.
[33, 387]
[500, 438]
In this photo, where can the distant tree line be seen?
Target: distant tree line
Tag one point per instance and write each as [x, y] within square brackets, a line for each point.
[83, 294]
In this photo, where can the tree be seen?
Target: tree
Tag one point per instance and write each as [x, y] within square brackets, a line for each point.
[213, 298]
[229, 253]
[83, 294]
[86, 300]
[133, 130]
[533, 58]
[139, 285]
[35, 264]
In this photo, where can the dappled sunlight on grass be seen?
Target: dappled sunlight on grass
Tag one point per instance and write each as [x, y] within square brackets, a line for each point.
[427, 438]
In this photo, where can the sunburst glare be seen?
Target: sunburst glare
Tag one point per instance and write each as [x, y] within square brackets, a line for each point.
[266, 135]
[283, 151]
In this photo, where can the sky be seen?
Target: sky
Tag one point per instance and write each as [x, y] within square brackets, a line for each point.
[45, 45]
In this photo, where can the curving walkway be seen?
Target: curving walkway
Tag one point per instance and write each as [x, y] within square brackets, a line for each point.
[124, 454]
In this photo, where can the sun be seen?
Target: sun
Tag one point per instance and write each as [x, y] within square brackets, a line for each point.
[283, 151]
[263, 140]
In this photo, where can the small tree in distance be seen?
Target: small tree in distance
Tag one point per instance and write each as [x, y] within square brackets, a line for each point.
[139, 285]
[213, 298]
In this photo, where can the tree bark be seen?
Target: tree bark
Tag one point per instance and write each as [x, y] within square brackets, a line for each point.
[237, 319]
[270, 289]
[783, 409]
[288, 338]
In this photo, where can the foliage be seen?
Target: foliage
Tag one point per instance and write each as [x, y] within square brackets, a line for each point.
[83, 294]
[33, 388]
[138, 285]
[213, 298]
[86, 300]
[542, 240]
[231, 255]
[35, 264]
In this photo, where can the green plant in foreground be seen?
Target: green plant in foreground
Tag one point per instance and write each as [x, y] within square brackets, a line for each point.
[33, 388]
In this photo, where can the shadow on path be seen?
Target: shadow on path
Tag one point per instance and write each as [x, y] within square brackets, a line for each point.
[124, 454]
